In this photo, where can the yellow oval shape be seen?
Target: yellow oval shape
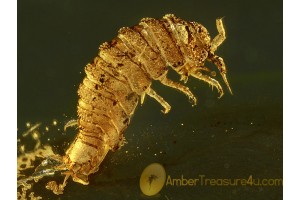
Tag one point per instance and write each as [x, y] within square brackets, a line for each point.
[152, 179]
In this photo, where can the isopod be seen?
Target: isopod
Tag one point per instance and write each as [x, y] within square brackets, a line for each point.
[121, 75]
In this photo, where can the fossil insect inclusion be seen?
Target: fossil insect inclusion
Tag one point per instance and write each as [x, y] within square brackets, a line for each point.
[121, 76]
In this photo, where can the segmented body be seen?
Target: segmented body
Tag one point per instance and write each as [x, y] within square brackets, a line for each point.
[122, 74]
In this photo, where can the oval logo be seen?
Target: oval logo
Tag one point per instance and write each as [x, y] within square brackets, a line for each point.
[152, 179]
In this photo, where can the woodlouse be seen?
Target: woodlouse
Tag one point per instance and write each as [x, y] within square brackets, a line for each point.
[122, 74]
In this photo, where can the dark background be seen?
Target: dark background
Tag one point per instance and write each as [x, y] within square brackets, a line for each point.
[233, 137]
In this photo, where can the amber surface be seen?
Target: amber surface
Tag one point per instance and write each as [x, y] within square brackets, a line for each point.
[231, 137]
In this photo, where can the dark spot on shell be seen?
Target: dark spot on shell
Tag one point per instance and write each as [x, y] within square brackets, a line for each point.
[23, 166]
[125, 121]
[130, 55]
[24, 159]
[102, 80]
[130, 96]
[113, 42]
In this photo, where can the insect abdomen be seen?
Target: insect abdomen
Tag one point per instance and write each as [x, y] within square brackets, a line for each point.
[110, 102]
[106, 104]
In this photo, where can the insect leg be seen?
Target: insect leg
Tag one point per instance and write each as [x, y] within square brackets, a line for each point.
[160, 100]
[219, 39]
[209, 80]
[167, 82]
[58, 188]
[184, 73]
[72, 122]
[219, 62]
